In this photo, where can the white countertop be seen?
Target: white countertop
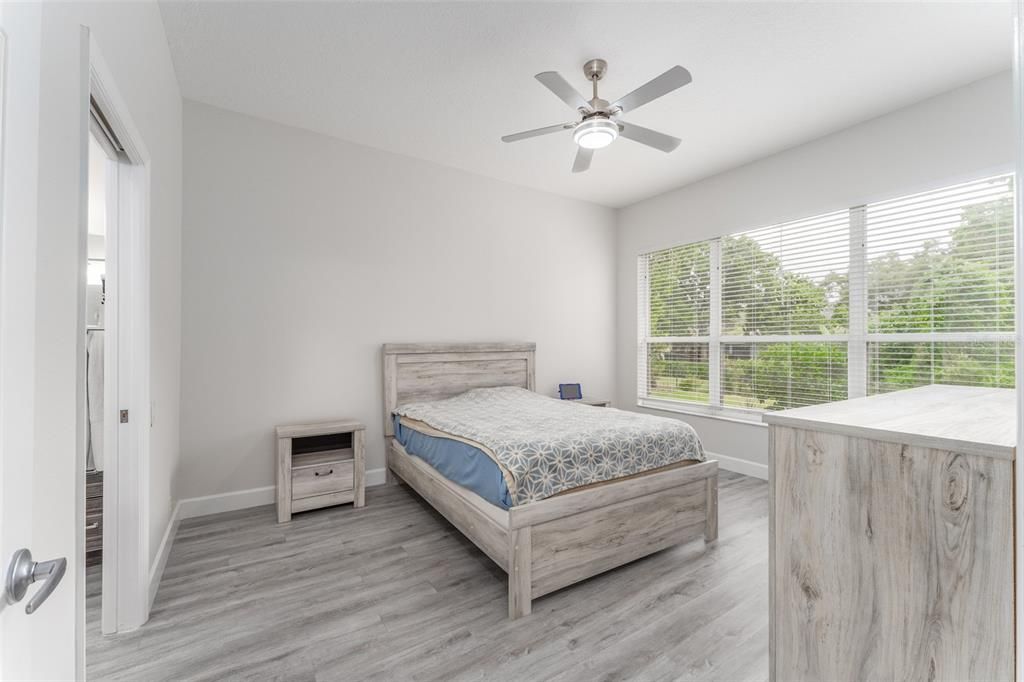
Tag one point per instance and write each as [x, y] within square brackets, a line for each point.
[968, 419]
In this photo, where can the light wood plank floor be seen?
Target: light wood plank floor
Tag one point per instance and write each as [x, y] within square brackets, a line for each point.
[392, 591]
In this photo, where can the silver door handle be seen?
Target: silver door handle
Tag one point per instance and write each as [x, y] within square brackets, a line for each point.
[23, 572]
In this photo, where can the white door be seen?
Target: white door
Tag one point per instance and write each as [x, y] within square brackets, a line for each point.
[42, 207]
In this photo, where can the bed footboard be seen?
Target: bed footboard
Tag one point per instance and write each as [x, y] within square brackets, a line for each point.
[562, 540]
[547, 545]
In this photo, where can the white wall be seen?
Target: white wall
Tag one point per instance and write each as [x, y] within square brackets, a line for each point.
[959, 135]
[302, 254]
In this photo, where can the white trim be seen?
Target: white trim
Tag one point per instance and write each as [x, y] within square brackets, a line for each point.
[111, 434]
[1018, 115]
[898, 337]
[940, 337]
[729, 414]
[740, 466]
[857, 305]
[715, 325]
[191, 507]
[675, 339]
[156, 573]
[786, 338]
[643, 324]
[375, 477]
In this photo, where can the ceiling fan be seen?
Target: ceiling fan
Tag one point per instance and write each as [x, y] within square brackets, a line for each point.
[599, 124]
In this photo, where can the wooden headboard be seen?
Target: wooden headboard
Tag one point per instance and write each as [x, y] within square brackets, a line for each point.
[435, 371]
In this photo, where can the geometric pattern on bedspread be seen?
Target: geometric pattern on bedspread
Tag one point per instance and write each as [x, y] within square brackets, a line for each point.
[546, 445]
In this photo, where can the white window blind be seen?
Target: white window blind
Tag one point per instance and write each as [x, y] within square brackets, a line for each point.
[875, 298]
[940, 287]
[784, 309]
[677, 283]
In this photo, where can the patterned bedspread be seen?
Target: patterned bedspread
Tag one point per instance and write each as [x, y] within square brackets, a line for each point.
[545, 446]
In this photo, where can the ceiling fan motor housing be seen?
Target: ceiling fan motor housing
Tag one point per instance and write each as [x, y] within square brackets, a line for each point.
[595, 69]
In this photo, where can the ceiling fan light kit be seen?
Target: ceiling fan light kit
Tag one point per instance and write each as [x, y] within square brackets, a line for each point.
[595, 133]
[599, 124]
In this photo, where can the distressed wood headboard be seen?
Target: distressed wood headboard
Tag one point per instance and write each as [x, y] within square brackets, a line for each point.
[435, 371]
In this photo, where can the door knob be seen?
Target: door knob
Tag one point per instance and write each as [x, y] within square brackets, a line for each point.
[23, 572]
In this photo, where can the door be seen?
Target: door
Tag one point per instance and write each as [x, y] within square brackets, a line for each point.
[42, 277]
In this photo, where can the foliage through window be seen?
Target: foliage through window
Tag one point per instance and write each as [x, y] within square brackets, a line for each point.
[876, 298]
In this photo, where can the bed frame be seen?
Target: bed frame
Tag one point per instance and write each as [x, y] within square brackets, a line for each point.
[561, 540]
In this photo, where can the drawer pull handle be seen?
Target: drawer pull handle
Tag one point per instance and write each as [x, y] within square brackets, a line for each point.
[93, 526]
[317, 473]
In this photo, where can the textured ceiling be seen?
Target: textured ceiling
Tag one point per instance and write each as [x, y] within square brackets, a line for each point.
[444, 82]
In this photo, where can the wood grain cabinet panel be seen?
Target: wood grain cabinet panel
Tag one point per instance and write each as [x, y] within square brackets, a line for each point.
[331, 477]
[889, 560]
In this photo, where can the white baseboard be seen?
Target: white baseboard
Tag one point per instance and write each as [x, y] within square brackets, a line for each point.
[740, 466]
[192, 507]
[375, 477]
[156, 571]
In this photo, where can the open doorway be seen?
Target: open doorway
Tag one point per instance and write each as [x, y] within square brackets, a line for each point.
[115, 405]
[105, 153]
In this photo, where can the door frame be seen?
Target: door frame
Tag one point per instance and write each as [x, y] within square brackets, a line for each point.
[126, 565]
[1018, 117]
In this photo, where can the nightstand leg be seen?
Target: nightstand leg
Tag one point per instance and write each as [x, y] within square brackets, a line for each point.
[359, 475]
[284, 480]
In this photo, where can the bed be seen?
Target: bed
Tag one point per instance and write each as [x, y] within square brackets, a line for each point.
[550, 543]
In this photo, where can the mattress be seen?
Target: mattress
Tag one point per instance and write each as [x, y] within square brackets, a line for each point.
[540, 446]
[458, 461]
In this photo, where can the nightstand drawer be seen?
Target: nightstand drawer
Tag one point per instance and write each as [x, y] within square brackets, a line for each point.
[330, 477]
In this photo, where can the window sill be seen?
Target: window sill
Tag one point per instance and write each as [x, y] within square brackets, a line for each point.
[745, 417]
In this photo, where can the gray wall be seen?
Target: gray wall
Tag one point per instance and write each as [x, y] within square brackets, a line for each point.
[959, 135]
[304, 253]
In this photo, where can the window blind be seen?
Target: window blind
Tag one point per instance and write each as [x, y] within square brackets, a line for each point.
[678, 297]
[874, 298]
[940, 287]
[784, 293]
[787, 279]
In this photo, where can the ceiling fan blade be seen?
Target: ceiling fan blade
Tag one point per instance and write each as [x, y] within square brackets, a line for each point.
[674, 78]
[651, 138]
[515, 137]
[554, 82]
[582, 162]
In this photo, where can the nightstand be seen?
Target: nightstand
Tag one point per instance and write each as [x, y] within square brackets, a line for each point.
[593, 402]
[319, 465]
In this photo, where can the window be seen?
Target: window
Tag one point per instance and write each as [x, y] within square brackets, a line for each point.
[875, 298]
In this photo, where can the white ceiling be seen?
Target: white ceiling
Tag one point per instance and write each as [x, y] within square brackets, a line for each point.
[444, 82]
